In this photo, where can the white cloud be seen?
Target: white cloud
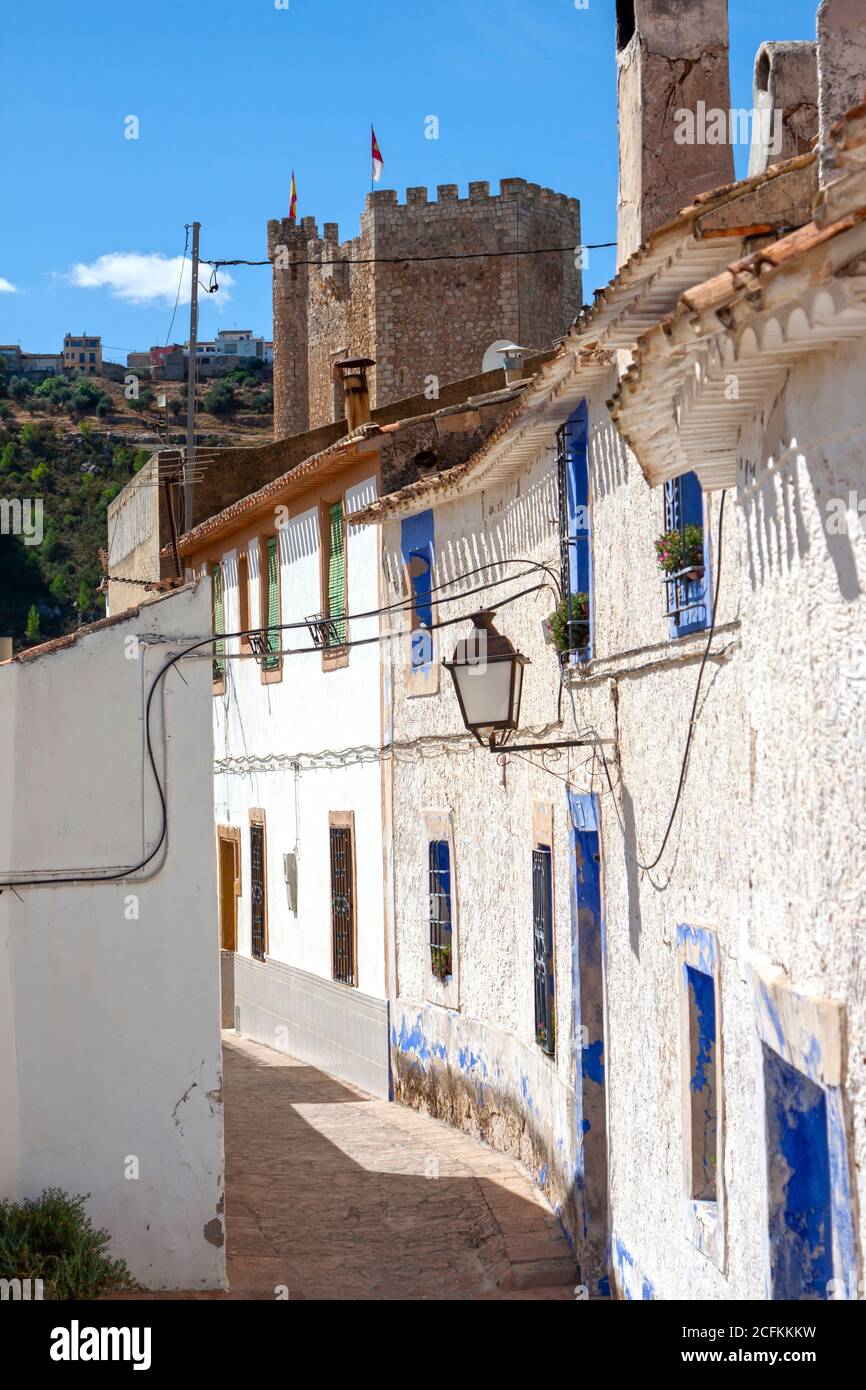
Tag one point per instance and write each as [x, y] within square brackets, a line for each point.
[6, 286]
[143, 279]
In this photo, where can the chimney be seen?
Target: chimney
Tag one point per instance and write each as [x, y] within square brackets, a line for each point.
[5, 648]
[674, 98]
[841, 71]
[513, 356]
[352, 373]
[784, 103]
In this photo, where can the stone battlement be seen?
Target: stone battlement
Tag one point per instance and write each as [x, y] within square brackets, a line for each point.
[447, 201]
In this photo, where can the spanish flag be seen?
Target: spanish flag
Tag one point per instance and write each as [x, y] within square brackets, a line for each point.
[293, 200]
[378, 161]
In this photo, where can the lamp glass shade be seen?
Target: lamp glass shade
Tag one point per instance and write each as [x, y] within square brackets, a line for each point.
[488, 679]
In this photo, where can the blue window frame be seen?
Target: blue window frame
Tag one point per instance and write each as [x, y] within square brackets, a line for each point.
[575, 532]
[416, 544]
[687, 589]
[439, 858]
[703, 1100]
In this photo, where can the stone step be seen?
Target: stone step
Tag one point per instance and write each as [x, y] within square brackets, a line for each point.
[557, 1270]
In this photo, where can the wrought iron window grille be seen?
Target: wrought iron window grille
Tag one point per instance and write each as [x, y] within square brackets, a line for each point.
[440, 908]
[542, 924]
[325, 630]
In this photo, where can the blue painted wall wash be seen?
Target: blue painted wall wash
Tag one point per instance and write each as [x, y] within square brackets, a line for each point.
[798, 1180]
[587, 970]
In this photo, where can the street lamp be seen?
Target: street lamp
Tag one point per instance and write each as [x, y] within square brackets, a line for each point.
[487, 672]
[488, 679]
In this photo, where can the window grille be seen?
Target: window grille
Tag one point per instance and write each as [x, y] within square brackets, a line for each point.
[686, 587]
[342, 904]
[257, 888]
[440, 908]
[542, 921]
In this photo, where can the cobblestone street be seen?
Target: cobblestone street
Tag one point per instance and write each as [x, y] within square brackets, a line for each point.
[336, 1195]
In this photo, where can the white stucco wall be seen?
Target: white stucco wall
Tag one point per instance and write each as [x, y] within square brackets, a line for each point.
[110, 1030]
[763, 853]
[261, 730]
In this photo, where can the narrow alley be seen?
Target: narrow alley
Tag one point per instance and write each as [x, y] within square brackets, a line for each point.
[333, 1194]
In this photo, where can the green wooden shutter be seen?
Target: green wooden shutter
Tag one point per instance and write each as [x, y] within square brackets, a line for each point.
[272, 661]
[219, 626]
[337, 571]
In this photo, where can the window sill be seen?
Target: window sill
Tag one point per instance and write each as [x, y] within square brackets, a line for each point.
[272, 677]
[704, 1228]
[334, 658]
[219, 687]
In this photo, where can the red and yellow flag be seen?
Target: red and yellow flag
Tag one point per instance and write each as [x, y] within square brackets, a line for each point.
[293, 200]
[378, 161]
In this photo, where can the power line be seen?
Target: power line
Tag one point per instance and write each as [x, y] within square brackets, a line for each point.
[179, 284]
[445, 256]
[116, 875]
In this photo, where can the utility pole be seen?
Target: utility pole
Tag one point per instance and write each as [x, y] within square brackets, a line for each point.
[189, 464]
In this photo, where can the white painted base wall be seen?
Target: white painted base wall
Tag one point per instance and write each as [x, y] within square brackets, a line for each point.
[109, 1021]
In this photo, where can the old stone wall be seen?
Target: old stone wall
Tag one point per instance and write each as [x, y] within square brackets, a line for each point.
[424, 322]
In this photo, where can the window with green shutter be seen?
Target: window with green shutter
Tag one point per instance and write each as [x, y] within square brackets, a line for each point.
[272, 595]
[219, 626]
[337, 630]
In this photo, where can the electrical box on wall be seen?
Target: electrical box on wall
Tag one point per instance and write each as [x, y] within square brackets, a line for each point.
[290, 874]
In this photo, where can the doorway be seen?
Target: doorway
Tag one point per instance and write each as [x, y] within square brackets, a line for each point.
[229, 870]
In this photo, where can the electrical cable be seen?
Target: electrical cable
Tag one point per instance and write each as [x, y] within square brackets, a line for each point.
[90, 876]
[684, 766]
[446, 256]
[179, 284]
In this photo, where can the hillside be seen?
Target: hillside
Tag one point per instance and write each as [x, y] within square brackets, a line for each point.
[73, 447]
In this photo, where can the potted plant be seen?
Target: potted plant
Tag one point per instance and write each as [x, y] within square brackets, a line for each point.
[569, 623]
[440, 960]
[681, 552]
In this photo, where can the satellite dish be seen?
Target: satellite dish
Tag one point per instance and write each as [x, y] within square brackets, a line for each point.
[492, 361]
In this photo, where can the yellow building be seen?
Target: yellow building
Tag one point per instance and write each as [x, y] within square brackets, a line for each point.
[82, 354]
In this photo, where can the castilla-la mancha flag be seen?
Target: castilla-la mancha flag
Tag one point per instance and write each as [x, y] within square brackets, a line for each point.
[293, 200]
[378, 161]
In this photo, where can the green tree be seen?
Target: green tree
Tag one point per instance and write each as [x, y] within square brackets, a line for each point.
[31, 632]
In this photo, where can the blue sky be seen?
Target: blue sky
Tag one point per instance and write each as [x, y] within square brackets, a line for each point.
[230, 94]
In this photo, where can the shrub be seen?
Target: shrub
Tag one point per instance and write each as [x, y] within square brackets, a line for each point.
[679, 550]
[220, 399]
[20, 388]
[52, 1238]
[576, 608]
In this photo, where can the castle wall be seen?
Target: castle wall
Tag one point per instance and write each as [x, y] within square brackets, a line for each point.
[424, 322]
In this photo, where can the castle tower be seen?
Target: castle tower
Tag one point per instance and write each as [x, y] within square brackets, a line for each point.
[412, 293]
[671, 55]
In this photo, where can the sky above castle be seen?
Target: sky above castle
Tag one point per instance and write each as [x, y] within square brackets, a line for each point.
[223, 98]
